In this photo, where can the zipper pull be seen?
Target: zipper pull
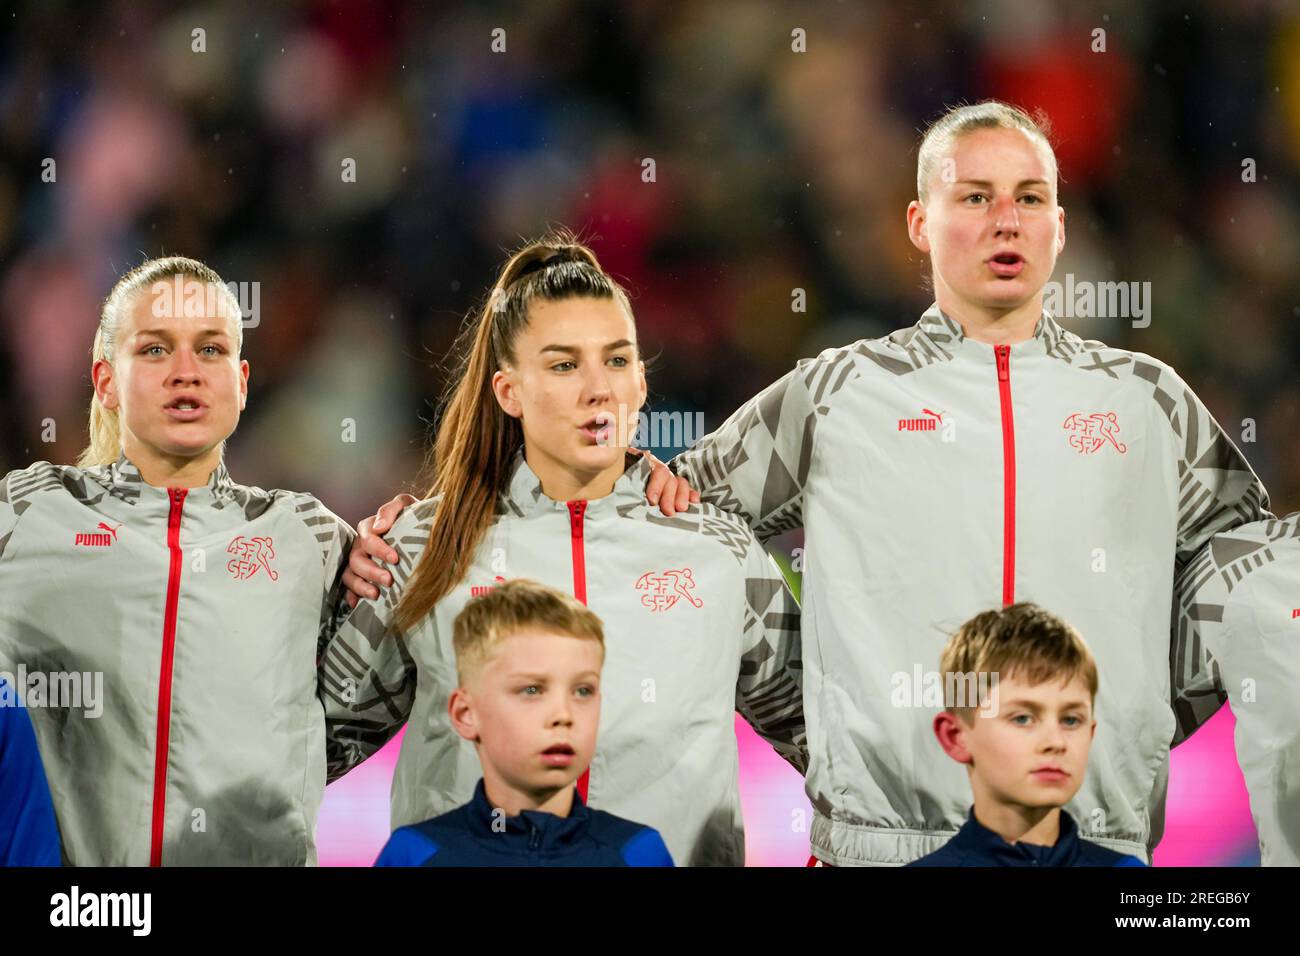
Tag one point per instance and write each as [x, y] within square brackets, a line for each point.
[1003, 355]
[576, 510]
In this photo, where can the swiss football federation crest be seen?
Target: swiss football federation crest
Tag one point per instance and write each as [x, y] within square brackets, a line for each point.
[250, 556]
[665, 590]
[1088, 433]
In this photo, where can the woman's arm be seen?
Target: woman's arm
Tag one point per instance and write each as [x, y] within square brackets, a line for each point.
[367, 675]
[769, 689]
[1218, 491]
[756, 464]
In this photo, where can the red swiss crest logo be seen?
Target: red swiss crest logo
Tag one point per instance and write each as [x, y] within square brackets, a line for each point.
[250, 556]
[1091, 432]
[664, 590]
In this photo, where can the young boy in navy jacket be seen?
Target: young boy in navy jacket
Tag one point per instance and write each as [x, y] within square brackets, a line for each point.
[1019, 691]
[528, 662]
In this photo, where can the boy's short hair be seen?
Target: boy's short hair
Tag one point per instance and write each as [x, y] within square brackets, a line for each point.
[507, 609]
[1021, 640]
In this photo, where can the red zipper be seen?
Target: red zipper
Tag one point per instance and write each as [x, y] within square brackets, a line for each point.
[577, 509]
[1003, 355]
[165, 675]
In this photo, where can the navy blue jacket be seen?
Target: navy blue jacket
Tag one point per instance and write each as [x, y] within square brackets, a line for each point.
[465, 837]
[976, 845]
[28, 833]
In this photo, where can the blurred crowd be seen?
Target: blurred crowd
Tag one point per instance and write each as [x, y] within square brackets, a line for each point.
[774, 170]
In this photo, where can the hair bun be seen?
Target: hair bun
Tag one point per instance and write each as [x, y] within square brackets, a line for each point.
[558, 256]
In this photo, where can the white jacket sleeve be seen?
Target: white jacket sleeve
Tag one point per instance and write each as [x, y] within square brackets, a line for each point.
[769, 690]
[1260, 662]
[8, 513]
[756, 464]
[1218, 491]
[1243, 611]
[367, 674]
[335, 537]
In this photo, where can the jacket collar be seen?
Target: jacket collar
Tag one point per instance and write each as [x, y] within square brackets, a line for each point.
[523, 493]
[942, 329]
[978, 840]
[125, 477]
[531, 829]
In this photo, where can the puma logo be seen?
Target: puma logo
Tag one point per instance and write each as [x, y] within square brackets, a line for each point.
[97, 539]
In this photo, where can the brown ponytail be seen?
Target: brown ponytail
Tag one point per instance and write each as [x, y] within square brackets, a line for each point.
[476, 441]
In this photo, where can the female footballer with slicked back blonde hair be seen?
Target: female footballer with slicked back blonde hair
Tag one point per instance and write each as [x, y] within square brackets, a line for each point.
[185, 610]
[983, 456]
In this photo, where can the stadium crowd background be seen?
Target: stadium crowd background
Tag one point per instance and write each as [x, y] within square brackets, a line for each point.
[775, 170]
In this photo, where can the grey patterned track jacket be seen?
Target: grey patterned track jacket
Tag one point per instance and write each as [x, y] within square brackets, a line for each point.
[202, 611]
[699, 624]
[1241, 597]
[936, 477]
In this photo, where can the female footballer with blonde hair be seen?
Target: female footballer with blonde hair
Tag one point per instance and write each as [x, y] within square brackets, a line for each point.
[985, 455]
[182, 611]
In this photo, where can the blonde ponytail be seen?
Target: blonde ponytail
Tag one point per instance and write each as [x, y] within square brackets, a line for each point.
[105, 431]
